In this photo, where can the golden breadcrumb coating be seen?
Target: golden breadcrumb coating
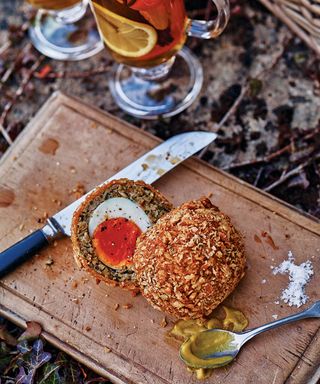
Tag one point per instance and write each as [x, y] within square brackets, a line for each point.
[190, 260]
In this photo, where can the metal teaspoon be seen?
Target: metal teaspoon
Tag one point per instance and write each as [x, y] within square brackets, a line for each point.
[233, 341]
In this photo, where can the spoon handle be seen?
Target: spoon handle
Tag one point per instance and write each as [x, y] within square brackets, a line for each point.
[313, 311]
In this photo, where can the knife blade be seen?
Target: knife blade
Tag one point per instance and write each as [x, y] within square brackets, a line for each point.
[149, 168]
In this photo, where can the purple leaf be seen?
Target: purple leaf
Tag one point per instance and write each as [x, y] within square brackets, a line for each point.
[37, 347]
[39, 357]
[24, 378]
[21, 376]
[30, 360]
[30, 376]
[38, 360]
[23, 347]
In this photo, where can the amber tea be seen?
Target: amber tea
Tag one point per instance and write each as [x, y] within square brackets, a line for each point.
[154, 74]
[53, 4]
[142, 33]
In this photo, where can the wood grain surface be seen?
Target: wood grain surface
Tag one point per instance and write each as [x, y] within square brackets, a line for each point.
[69, 144]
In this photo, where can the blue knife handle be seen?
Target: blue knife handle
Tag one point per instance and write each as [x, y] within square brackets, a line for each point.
[21, 251]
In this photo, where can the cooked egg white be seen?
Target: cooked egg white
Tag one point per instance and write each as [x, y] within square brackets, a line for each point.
[119, 207]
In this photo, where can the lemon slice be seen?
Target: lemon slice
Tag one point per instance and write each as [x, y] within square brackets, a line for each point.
[124, 36]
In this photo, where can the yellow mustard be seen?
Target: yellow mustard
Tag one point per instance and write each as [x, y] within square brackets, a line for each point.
[187, 328]
[235, 320]
[191, 329]
[200, 344]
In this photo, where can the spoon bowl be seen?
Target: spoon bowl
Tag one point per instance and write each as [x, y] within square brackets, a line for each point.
[205, 353]
[217, 347]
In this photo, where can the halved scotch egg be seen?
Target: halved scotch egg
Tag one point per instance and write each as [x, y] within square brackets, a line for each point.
[107, 224]
[114, 228]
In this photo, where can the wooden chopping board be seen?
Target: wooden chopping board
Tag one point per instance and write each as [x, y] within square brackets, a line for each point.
[69, 145]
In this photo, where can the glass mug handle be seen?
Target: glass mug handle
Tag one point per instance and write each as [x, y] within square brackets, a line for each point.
[211, 28]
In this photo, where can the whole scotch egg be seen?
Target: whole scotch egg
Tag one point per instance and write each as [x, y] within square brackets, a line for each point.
[190, 260]
[107, 224]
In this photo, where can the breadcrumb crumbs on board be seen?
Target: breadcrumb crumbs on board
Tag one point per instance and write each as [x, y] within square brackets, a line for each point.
[299, 276]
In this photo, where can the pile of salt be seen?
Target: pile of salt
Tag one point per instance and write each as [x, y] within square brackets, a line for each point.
[299, 276]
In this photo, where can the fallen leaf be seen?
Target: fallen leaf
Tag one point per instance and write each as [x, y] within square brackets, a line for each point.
[32, 332]
[299, 181]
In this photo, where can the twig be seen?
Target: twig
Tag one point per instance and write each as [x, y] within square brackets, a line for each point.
[75, 74]
[229, 113]
[245, 164]
[5, 47]
[292, 24]
[19, 91]
[288, 148]
[14, 65]
[258, 176]
[5, 135]
[286, 175]
[234, 106]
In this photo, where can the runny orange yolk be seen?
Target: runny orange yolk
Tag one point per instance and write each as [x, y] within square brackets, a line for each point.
[114, 241]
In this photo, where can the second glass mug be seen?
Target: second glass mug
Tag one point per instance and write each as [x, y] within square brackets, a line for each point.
[156, 75]
[63, 30]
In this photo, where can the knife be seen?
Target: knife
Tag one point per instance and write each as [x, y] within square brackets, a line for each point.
[149, 168]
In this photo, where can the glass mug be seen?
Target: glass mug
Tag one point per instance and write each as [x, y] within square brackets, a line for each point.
[156, 75]
[63, 30]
